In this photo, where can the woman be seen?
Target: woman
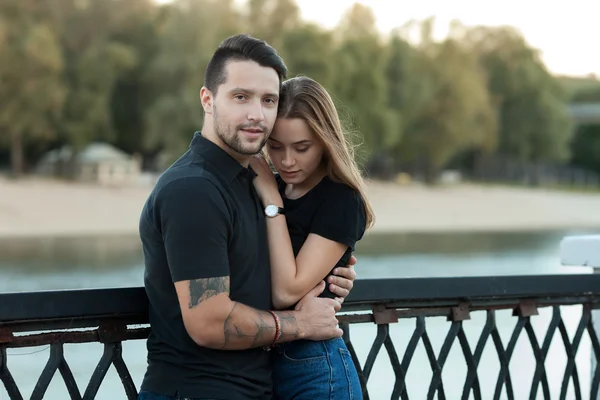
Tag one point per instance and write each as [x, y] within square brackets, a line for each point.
[325, 212]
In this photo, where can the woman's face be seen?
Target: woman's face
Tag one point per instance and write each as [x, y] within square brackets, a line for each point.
[294, 150]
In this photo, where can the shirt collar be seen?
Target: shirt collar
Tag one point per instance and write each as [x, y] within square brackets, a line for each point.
[228, 166]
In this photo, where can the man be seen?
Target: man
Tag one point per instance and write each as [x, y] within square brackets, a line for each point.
[205, 246]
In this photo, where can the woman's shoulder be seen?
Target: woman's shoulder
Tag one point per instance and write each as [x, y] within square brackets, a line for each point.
[341, 213]
[339, 187]
[340, 192]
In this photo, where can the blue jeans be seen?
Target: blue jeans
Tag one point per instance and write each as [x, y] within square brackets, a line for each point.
[308, 370]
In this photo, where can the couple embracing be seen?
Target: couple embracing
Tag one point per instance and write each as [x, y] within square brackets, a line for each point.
[248, 241]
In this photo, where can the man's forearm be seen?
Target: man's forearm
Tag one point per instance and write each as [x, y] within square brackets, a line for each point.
[215, 321]
[246, 327]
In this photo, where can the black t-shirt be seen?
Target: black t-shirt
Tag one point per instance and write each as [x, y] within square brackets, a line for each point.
[204, 219]
[332, 210]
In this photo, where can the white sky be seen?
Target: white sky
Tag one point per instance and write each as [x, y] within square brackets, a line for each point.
[567, 32]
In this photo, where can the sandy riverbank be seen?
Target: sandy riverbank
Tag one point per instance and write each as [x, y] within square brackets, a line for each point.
[34, 207]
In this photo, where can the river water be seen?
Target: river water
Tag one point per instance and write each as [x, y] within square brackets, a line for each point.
[116, 261]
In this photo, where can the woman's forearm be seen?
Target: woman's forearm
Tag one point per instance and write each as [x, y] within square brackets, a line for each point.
[294, 276]
[284, 271]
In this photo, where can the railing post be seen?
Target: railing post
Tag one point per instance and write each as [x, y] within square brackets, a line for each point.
[584, 251]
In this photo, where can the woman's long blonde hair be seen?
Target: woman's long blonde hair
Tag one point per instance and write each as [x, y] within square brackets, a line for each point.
[302, 97]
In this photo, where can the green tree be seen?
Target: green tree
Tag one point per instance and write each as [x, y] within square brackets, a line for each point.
[270, 19]
[306, 51]
[87, 114]
[129, 72]
[93, 60]
[532, 105]
[407, 91]
[359, 79]
[31, 91]
[176, 75]
[452, 113]
[585, 146]
[136, 28]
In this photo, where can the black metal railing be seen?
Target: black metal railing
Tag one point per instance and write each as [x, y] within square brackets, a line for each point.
[114, 315]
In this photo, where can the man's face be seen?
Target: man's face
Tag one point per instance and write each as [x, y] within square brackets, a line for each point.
[245, 106]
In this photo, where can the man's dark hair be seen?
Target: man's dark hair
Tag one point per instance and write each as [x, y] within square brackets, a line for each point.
[241, 47]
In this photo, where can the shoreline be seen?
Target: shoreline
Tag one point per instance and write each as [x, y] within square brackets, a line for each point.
[36, 208]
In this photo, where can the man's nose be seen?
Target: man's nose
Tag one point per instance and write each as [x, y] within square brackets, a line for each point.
[256, 112]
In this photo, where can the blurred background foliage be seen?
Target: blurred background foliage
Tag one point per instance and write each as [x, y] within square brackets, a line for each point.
[128, 72]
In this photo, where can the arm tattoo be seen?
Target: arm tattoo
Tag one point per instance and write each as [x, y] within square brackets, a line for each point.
[234, 332]
[262, 328]
[202, 289]
[228, 326]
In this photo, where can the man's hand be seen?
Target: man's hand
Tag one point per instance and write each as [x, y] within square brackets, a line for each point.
[316, 316]
[343, 282]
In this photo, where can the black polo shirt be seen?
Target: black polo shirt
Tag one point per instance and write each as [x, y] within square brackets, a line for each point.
[204, 219]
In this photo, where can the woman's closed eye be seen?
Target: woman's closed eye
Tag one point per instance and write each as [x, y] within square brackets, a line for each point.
[298, 149]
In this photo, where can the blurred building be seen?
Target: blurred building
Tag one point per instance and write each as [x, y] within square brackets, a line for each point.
[99, 163]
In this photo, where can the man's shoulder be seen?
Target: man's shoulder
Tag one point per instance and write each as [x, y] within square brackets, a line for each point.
[186, 175]
[193, 196]
[189, 182]
[186, 183]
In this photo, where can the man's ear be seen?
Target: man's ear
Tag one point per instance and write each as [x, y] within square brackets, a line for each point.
[206, 98]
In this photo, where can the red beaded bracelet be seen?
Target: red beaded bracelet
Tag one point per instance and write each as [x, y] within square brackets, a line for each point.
[277, 330]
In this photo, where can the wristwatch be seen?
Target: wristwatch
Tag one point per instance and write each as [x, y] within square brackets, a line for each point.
[272, 210]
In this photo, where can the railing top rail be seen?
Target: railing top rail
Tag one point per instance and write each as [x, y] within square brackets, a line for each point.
[132, 303]
[473, 287]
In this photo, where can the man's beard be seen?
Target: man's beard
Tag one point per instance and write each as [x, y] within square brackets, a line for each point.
[232, 139]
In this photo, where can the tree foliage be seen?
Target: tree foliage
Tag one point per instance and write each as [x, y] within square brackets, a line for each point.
[129, 72]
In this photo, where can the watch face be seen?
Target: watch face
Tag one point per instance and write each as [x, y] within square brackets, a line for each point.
[271, 210]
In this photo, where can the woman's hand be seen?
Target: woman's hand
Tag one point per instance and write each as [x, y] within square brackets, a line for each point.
[265, 183]
[342, 280]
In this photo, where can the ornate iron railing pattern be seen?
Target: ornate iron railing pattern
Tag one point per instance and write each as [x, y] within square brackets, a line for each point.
[472, 356]
[115, 313]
